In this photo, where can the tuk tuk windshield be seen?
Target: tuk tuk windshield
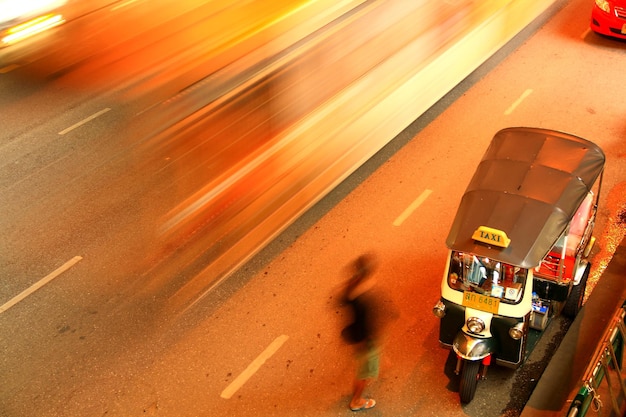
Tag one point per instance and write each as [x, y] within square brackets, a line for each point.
[480, 274]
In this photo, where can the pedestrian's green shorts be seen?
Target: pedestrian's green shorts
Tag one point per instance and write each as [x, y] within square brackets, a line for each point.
[369, 362]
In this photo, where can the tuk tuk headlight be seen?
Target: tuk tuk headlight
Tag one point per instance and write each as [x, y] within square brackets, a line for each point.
[516, 332]
[475, 325]
[439, 310]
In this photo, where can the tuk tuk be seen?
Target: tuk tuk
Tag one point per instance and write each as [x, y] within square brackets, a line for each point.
[518, 247]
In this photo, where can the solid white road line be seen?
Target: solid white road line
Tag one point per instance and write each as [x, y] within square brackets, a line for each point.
[410, 209]
[82, 122]
[253, 367]
[518, 102]
[67, 265]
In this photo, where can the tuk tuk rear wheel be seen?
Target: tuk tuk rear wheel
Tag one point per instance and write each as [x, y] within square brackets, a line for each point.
[469, 380]
[574, 302]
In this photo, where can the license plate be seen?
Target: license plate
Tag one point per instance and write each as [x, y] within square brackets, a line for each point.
[624, 29]
[481, 302]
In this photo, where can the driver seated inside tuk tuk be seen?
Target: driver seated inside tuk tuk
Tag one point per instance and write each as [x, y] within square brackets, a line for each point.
[488, 276]
[456, 276]
[485, 276]
[468, 272]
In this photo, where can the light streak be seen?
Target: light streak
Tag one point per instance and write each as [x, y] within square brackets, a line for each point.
[31, 28]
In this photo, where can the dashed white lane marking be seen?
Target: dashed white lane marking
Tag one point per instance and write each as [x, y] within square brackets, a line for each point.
[585, 33]
[67, 265]
[82, 122]
[412, 207]
[253, 367]
[518, 102]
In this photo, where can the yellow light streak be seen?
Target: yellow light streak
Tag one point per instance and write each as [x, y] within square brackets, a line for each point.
[32, 27]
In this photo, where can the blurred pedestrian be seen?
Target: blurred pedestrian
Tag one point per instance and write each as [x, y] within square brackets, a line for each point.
[363, 331]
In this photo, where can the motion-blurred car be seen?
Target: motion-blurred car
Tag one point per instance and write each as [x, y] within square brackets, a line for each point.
[21, 19]
[609, 18]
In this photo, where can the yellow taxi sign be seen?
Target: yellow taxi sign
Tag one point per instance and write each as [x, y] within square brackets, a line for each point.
[491, 236]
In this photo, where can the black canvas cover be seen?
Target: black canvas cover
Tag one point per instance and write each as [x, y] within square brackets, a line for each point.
[529, 184]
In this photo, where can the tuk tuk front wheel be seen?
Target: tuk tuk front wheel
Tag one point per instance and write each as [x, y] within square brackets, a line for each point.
[469, 380]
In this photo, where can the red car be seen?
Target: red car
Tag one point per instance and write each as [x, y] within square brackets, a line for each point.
[609, 18]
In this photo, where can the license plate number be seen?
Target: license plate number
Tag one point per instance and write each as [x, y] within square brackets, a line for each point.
[481, 302]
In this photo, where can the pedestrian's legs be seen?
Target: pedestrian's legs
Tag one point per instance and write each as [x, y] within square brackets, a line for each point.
[358, 402]
[368, 370]
[357, 397]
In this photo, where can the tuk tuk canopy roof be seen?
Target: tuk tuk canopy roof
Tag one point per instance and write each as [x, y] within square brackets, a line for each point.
[529, 184]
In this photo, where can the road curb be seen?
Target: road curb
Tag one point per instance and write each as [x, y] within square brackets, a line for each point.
[562, 377]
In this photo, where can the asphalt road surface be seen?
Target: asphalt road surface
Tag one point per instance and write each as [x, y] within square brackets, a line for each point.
[106, 335]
